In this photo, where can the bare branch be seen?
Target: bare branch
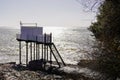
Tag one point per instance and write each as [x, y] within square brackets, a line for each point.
[90, 5]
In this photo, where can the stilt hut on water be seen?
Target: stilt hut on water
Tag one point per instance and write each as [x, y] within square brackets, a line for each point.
[42, 49]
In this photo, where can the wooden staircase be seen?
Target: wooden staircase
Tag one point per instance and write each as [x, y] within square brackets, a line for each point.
[56, 55]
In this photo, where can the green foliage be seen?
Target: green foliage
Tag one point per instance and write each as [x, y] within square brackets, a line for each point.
[107, 31]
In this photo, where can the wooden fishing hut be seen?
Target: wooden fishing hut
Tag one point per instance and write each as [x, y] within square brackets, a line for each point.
[39, 46]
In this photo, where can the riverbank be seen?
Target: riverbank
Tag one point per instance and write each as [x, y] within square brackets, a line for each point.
[95, 66]
[12, 71]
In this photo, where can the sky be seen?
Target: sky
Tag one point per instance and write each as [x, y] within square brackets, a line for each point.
[62, 13]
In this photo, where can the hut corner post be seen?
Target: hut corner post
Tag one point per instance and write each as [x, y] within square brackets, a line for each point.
[50, 50]
[44, 50]
[20, 53]
[26, 53]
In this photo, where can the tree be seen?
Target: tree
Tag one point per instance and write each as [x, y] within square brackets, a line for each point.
[90, 5]
[107, 32]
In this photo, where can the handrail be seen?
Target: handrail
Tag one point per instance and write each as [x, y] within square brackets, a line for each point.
[21, 24]
[54, 55]
[59, 54]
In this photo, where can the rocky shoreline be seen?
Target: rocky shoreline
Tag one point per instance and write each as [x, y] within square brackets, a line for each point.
[12, 71]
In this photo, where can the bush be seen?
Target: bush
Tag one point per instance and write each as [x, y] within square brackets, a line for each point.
[107, 32]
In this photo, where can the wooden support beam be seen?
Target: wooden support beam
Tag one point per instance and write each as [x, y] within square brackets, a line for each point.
[31, 51]
[26, 53]
[54, 56]
[34, 50]
[59, 55]
[45, 46]
[44, 56]
[38, 52]
[42, 51]
[47, 51]
[20, 52]
[50, 50]
[50, 57]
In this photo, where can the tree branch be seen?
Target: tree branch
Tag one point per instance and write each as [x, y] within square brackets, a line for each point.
[90, 5]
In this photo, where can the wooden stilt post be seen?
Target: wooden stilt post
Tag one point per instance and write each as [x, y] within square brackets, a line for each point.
[31, 51]
[34, 50]
[26, 53]
[42, 51]
[20, 52]
[47, 52]
[50, 50]
[38, 52]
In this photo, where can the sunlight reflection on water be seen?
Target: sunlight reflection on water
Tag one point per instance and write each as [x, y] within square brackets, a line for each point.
[54, 30]
[72, 43]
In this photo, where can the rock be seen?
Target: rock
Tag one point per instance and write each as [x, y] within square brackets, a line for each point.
[14, 72]
[11, 78]
[17, 74]
[118, 79]
[36, 65]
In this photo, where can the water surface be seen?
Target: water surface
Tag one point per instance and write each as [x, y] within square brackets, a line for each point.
[72, 43]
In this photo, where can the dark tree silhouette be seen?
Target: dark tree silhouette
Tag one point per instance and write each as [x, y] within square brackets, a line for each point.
[107, 32]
